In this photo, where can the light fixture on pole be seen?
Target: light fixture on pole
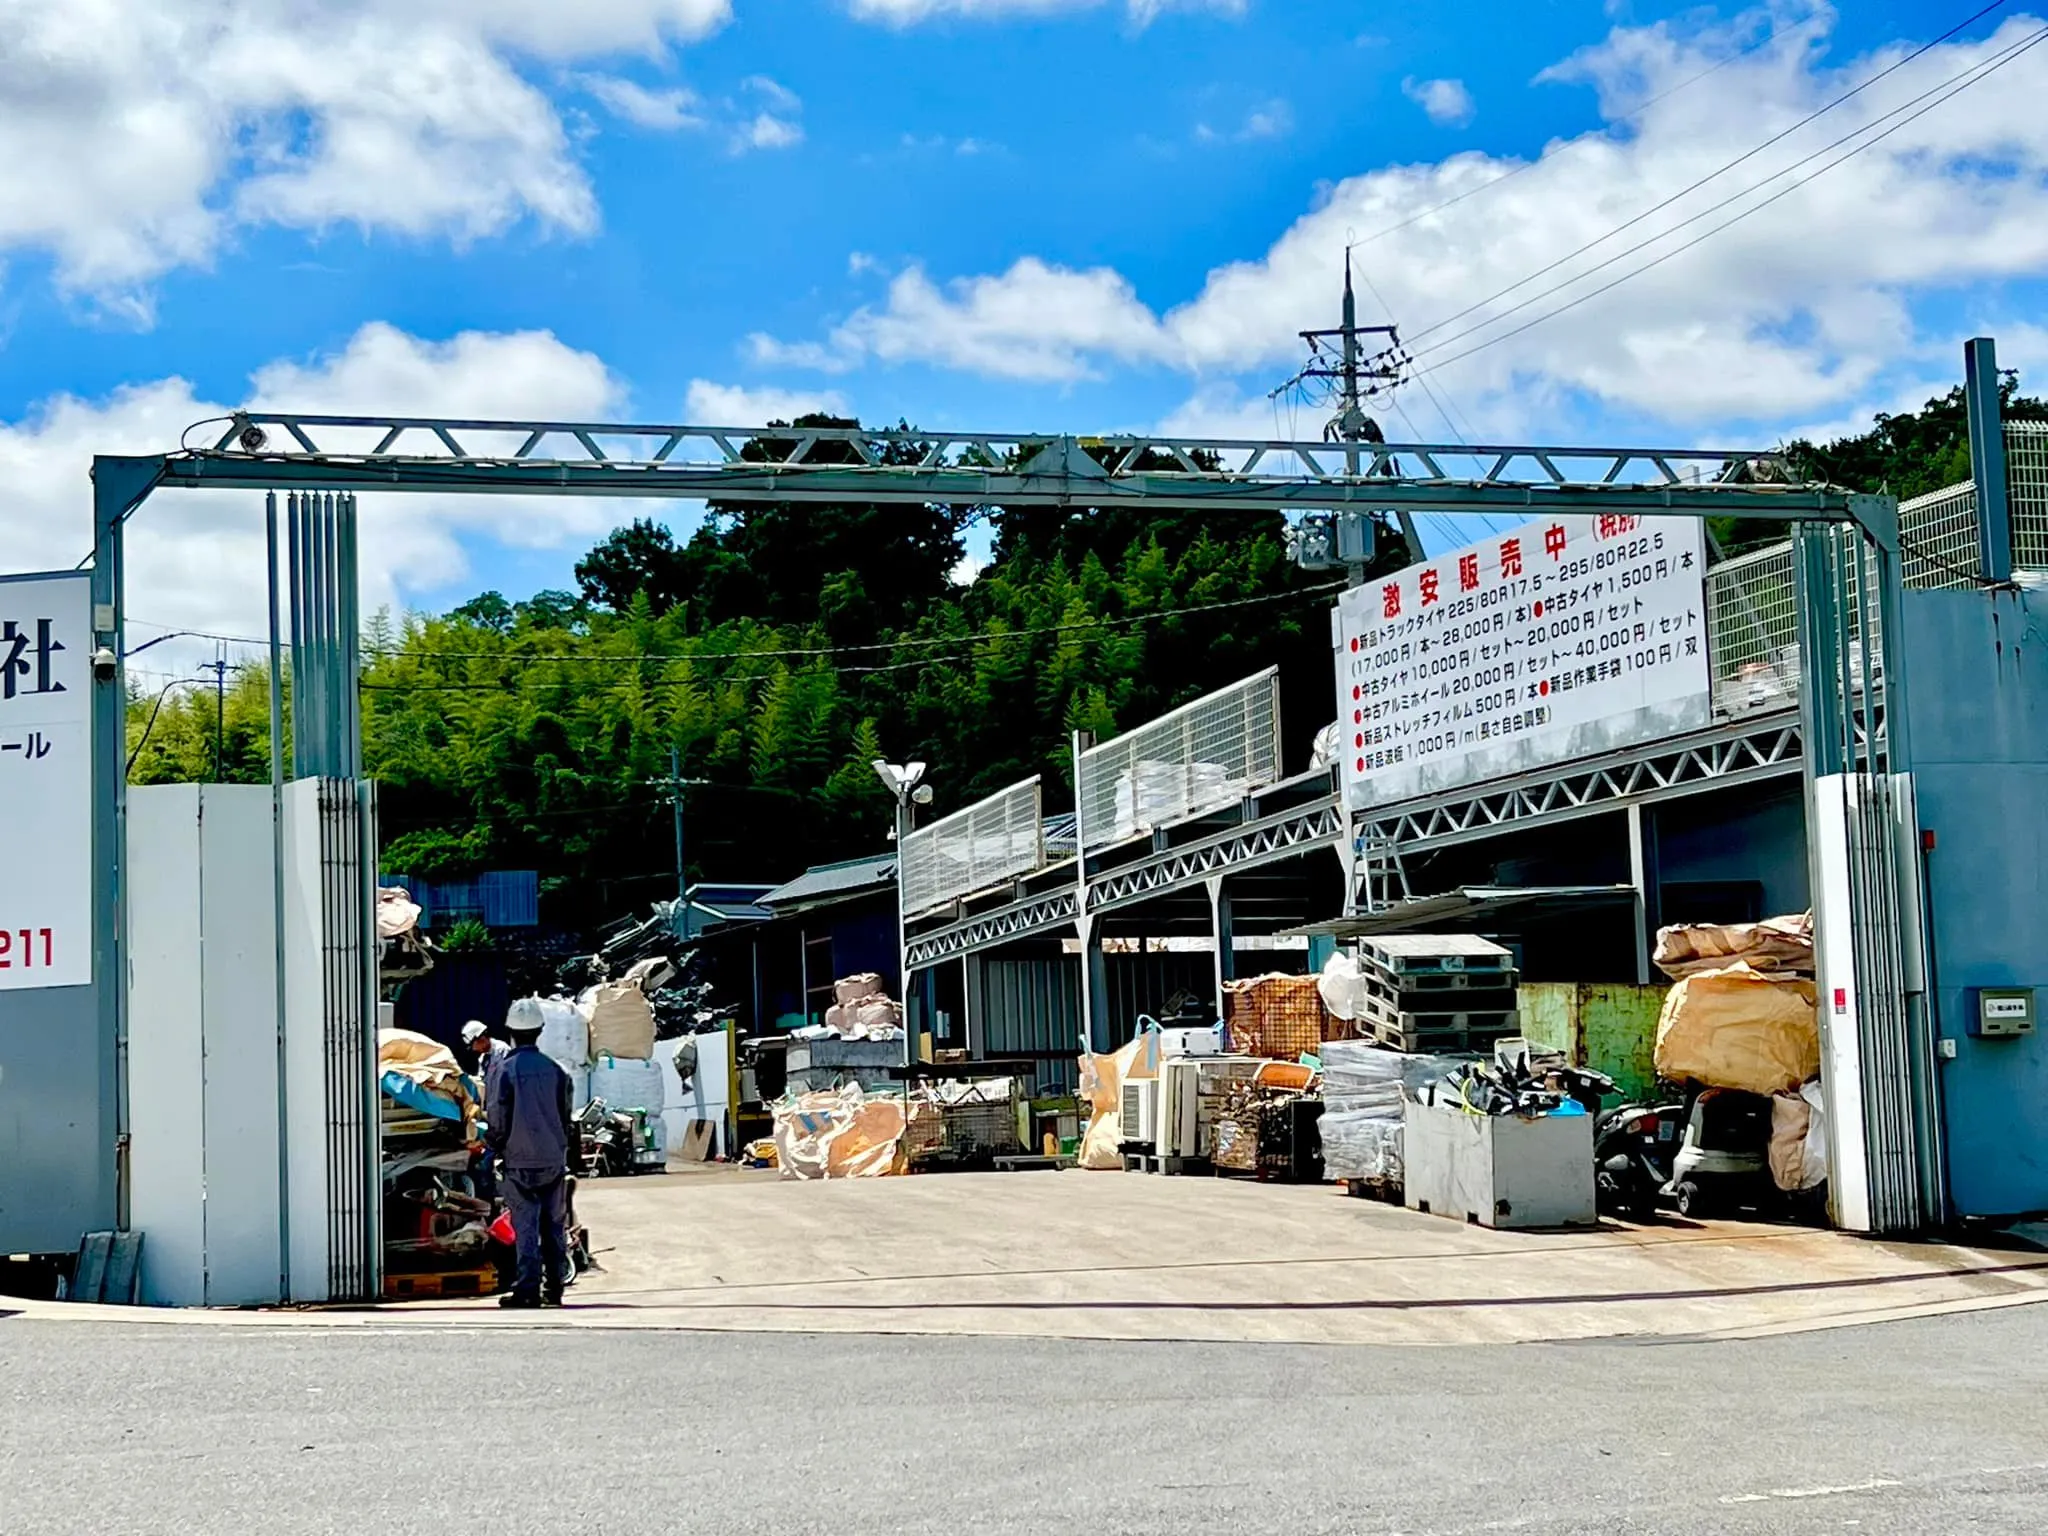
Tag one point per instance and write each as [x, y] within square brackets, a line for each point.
[905, 784]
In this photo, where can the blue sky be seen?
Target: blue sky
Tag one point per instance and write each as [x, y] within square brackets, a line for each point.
[967, 213]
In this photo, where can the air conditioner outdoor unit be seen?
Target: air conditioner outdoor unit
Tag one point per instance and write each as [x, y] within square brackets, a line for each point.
[1141, 1110]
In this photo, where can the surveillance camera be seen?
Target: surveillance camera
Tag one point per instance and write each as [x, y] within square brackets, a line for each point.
[922, 795]
[105, 664]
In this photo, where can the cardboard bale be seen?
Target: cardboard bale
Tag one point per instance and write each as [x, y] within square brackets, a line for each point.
[1740, 1028]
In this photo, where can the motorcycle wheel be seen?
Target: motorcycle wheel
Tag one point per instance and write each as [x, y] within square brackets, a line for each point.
[1690, 1199]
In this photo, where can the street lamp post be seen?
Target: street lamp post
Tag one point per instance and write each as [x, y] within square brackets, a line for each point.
[904, 782]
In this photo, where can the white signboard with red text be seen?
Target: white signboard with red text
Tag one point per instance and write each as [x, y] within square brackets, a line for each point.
[1561, 639]
[46, 649]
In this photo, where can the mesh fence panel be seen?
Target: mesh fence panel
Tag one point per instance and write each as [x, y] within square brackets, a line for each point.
[1753, 631]
[1204, 755]
[1938, 538]
[991, 841]
[2026, 473]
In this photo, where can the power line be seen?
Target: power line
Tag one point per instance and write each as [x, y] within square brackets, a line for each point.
[1551, 159]
[930, 642]
[1694, 186]
[1968, 78]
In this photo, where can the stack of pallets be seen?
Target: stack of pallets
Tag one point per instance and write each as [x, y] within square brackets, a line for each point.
[1438, 992]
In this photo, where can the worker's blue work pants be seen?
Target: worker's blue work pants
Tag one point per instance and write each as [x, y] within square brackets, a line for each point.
[539, 1205]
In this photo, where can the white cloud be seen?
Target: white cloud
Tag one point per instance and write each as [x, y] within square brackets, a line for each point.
[1274, 120]
[137, 135]
[1797, 313]
[734, 405]
[777, 95]
[904, 13]
[767, 131]
[775, 126]
[1447, 102]
[1034, 322]
[663, 111]
[195, 558]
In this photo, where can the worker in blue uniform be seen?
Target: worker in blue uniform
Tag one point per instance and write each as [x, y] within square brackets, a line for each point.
[529, 1107]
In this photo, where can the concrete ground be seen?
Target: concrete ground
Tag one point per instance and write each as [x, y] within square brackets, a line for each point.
[1933, 1425]
[1128, 1256]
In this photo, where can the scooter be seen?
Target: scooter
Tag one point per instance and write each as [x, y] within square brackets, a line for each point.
[1633, 1146]
[1723, 1161]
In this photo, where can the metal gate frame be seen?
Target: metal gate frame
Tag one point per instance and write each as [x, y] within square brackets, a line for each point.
[1841, 534]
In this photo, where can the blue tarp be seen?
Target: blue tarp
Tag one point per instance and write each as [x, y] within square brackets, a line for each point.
[409, 1093]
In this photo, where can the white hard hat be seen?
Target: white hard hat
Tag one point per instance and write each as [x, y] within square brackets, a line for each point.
[473, 1031]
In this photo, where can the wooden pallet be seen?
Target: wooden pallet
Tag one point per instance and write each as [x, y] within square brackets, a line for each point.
[441, 1286]
[1151, 1162]
[1386, 1191]
[1026, 1161]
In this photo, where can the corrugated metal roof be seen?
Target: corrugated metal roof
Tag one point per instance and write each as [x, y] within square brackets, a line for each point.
[828, 882]
[1473, 905]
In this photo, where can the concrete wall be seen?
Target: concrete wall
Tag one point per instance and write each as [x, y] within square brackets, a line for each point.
[1977, 680]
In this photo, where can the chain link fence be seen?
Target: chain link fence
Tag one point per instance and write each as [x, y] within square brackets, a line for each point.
[993, 840]
[1202, 756]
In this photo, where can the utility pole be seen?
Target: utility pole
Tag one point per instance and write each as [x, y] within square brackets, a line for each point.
[219, 668]
[675, 784]
[1350, 378]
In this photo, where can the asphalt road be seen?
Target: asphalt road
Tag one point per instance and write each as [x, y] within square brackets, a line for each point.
[1938, 1425]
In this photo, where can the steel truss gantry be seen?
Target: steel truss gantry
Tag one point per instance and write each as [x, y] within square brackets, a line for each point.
[1742, 751]
[283, 450]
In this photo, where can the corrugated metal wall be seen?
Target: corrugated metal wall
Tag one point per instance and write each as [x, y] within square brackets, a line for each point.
[498, 898]
[1032, 1007]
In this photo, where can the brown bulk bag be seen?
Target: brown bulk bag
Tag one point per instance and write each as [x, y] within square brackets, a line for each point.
[1740, 1028]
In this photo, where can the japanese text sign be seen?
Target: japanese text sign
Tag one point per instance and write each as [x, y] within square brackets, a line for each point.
[46, 647]
[1562, 638]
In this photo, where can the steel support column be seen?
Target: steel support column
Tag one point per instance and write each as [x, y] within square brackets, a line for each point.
[1643, 875]
[1221, 926]
[1987, 458]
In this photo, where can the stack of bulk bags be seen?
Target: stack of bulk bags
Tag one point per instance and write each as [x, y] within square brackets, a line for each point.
[623, 1071]
[564, 1036]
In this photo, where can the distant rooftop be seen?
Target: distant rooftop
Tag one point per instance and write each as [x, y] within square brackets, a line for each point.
[826, 882]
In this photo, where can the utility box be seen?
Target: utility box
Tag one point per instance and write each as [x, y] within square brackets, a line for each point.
[1499, 1170]
[2003, 1012]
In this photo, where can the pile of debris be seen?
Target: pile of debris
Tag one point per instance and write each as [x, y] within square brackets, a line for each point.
[437, 1230]
[403, 952]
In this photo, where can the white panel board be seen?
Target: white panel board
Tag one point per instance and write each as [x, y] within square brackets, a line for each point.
[166, 1081]
[237, 897]
[305, 1043]
[1841, 1042]
[708, 1095]
[46, 646]
[1563, 638]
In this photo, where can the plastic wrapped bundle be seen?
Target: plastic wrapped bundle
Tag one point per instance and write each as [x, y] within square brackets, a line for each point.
[1361, 1144]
